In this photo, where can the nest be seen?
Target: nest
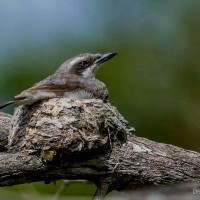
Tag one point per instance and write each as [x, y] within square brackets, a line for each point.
[67, 126]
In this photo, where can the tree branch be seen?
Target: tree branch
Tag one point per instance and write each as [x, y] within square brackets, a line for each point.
[88, 139]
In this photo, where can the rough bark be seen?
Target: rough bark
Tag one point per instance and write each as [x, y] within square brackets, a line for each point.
[88, 139]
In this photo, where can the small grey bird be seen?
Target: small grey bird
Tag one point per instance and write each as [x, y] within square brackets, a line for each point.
[74, 79]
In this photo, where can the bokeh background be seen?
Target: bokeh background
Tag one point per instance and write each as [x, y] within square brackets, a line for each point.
[154, 81]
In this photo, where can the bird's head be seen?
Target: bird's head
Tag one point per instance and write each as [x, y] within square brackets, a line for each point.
[85, 65]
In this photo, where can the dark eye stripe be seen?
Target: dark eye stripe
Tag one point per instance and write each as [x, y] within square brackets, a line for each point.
[84, 62]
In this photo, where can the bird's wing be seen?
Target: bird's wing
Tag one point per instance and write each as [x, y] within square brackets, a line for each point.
[53, 89]
[65, 86]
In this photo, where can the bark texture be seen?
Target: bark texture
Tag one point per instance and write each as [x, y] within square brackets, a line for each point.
[87, 139]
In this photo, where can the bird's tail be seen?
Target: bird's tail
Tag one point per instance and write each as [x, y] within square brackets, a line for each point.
[6, 104]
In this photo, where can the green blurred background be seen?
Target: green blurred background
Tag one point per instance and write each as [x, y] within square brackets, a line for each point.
[154, 81]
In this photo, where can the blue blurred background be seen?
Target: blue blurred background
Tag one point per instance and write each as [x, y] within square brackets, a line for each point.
[154, 81]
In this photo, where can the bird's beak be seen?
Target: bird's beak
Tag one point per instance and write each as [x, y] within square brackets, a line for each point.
[104, 58]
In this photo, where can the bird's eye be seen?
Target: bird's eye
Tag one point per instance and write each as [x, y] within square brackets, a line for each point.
[84, 63]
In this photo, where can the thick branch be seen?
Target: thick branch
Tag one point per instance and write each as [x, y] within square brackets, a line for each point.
[87, 140]
[137, 163]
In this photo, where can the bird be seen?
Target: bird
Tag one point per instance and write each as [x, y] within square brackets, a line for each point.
[74, 79]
